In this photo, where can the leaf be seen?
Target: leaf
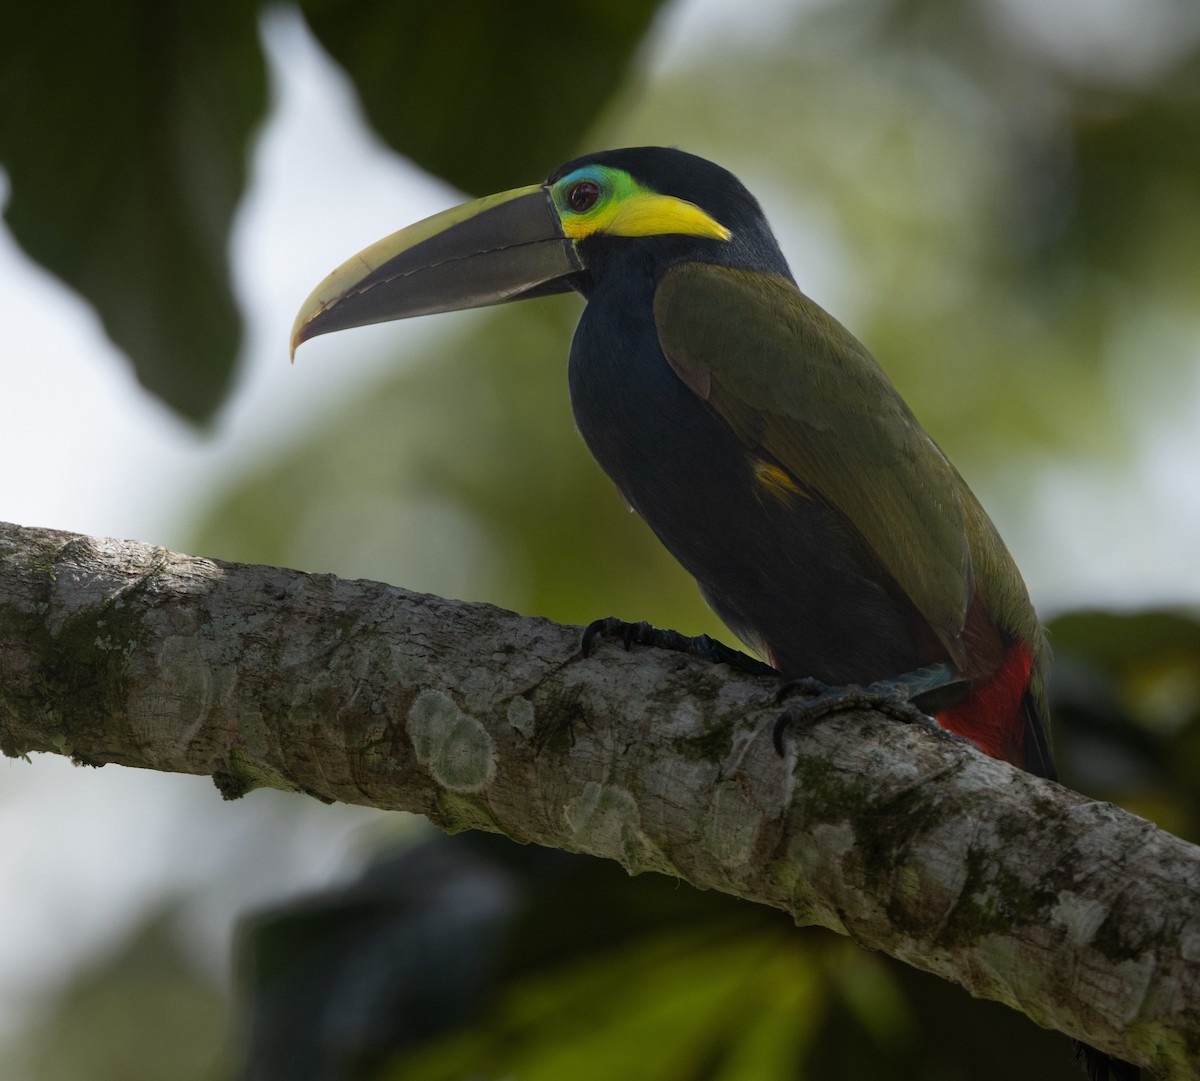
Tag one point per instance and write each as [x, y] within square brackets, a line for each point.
[485, 95]
[124, 133]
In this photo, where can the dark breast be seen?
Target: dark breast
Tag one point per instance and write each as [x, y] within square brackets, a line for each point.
[781, 568]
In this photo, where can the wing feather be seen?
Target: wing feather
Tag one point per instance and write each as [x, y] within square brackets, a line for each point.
[791, 381]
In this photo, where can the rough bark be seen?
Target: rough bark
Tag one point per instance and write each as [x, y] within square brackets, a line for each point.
[1079, 914]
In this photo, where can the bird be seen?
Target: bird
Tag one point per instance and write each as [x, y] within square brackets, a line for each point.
[754, 434]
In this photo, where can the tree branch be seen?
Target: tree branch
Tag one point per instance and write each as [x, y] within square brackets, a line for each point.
[1079, 914]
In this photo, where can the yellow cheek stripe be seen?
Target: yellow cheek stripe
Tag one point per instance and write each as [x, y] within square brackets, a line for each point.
[777, 482]
[646, 214]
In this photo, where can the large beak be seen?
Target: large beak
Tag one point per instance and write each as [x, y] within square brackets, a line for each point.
[504, 247]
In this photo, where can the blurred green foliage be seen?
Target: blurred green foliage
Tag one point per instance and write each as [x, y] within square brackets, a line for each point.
[146, 1003]
[1003, 204]
[1126, 696]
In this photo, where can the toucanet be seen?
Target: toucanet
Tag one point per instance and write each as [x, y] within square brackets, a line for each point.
[755, 435]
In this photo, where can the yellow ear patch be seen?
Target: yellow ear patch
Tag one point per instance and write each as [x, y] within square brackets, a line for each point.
[598, 199]
[645, 213]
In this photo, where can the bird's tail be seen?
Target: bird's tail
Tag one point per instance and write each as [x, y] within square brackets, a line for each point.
[1036, 720]
[1101, 1066]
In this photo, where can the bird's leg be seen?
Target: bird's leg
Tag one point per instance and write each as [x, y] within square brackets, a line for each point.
[892, 696]
[702, 646]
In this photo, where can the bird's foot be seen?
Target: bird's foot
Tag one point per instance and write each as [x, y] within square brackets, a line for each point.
[643, 634]
[890, 696]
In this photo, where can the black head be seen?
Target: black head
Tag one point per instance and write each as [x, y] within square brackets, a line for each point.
[606, 203]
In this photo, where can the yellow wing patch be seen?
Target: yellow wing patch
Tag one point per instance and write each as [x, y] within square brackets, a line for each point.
[777, 482]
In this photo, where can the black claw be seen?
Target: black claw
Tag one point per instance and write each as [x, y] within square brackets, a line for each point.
[598, 627]
[777, 732]
[588, 638]
[644, 634]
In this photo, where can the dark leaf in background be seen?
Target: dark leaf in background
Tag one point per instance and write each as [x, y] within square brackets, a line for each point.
[484, 95]
[125, 133]
[399, 956]
[475, 957]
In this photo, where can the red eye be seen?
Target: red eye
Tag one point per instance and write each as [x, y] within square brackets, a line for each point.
[583, 196]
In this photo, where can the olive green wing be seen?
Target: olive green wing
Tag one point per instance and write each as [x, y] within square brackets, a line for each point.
[797, 387]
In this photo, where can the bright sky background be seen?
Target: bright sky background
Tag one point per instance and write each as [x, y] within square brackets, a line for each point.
[86, 450]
